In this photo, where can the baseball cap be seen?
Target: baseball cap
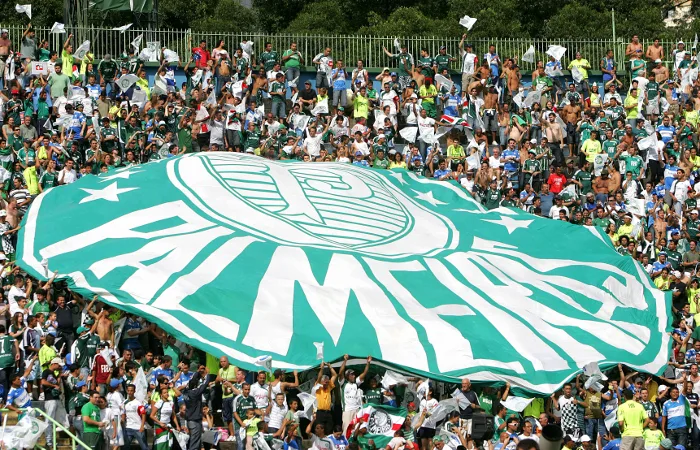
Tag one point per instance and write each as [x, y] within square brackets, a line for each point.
[381, 136]
[411, 404]
[679, 447]
[662, 253]
[3, 257]
[358, 153]
[585, 438]
[340, 108]
[4, 30]
[81, 329]
[533, 141]
[676, 273]
[161, 123]
[695, 211]
[114, 383]
[666, 443]
[80, 384]
[657, 61]
[437, 438]
[3, 213]
[393, 74]
[58, 361]
[349, 372]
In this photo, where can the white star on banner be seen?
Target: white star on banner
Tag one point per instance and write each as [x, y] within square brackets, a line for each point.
[399, 177]
[109, 193]
[123, 174]
[428, 197]
[510, 223]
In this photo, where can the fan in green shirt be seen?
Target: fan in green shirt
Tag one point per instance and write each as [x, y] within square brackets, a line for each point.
[269, 57]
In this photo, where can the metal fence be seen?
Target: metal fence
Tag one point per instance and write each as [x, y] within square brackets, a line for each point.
[350, 47]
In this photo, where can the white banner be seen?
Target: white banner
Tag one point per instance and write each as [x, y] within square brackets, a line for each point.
[40, 67]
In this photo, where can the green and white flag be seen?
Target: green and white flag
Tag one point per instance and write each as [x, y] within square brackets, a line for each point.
[381, 422]
[242, 256]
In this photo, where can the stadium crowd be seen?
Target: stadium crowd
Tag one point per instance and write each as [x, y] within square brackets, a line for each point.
[620, 154]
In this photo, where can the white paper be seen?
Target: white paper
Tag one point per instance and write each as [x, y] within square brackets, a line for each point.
[126, 81]
[171, 56]
[556, 51]
[462, 401]
[529, 55]
[82, 50]
[27, 9]
[532, 98]
[553, 72]
[145, 54]
[397, 45]
[141, 384]
[182, 438]
[58, 28]
[264, 361]
[136, 43]
[592, 369]
[648, 142]
[409, 133]
[611, 419]
[123, 29]
[319, 350]
[576, 74]
[422, 389]
[197, 77]
[392, 378]
[599, 163]
[301, 122]
[247, 48]
[467, 22]
[516, 403]
[211, 99]
[518, 100]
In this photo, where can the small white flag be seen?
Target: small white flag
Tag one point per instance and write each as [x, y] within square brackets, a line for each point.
[467, 22]
[392, 378]
[82, 50]
[516, 403]
[320, 108]
[170, 56]
[529, 55]
[264, 361]
[126, 81]
[592, 369]
[319, 350]
[576, 74]
[58, 28]
[136, 43]
[444, 81]
[45, 265]
[211, 99]
[397, 45]
[27, 9]
[409, 133]
[123, 29]
[556, 51]
[197, 77]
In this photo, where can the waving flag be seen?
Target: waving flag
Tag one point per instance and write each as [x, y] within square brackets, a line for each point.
[235, 250]
[381, 422]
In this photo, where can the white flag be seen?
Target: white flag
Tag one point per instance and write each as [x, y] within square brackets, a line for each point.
[82, 50]
[136, 43]
[695, 41]
[458, 395]
[264, 361]
[591, 369]
[516, 403]
[320, 108]
[518, 100]
[467, 22]
[308, 402]
[611, 419]
[29, 429]
[576, 74]
[529, 55]
[141, 384]
[170, 56]
[123, 29]
[319, 350]
[553, 72]
[397, 45]
[556, 51]
[532, 98]
[444, 81]
[648, 142]
[392, 378]
[211, 99]
[409, 133]
[126, 81]
[301, 122]
[27, 9]
[197, 77]
[146, 54]
[58, 28]
[247, 48]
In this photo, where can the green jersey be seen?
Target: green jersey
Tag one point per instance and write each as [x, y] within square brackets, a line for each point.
[443, 62]
[93, 412]
[7, 343]
[652, 89]
[531, 166]
[426, 65]
[585, 130]
[610, 147]
[91, 345]
[294, 58]
[693, 227]
[674, 258]
[269, 59]
[242, 65]
[633, 164]
[373, 396]
[380, 163]
[492, 200]
[252, 139]
[108, 69]
[405, 64]
[48, 180]
[585, 179]
[544, 161]
[241, 405]
[77, 402]
[277, 87]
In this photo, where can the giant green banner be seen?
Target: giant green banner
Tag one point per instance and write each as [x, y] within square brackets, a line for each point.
[244, 256]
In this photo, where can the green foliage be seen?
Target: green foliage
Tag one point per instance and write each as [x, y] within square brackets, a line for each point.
[220, 18]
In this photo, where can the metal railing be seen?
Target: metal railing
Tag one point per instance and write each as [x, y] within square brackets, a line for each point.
[76, 443]
[348, 47]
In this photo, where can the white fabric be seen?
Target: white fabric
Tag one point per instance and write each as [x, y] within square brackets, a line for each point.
[467, 22]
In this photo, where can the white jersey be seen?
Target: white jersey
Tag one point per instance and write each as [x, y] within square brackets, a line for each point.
[260, 394]
[352, 394]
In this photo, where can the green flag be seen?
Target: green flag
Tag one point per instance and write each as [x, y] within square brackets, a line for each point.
[244, 256]
[381, 422]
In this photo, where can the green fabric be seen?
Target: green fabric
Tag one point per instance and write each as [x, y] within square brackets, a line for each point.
[6, 347]
[416, 268]
[93, 412]
[142, 6]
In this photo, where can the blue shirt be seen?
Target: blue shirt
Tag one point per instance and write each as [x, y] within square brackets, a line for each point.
[666, 132]
[669, 178]
[19, 396]
[674, 412]
[613, 445]
[659, 266]
[451, 104]
[494, 64]
[129, 341]
[362, 163]
[340, 443]
[547, 201]
[158, 371]
[338, 83]
[76, 124]
[511, 166]
[439, 173]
